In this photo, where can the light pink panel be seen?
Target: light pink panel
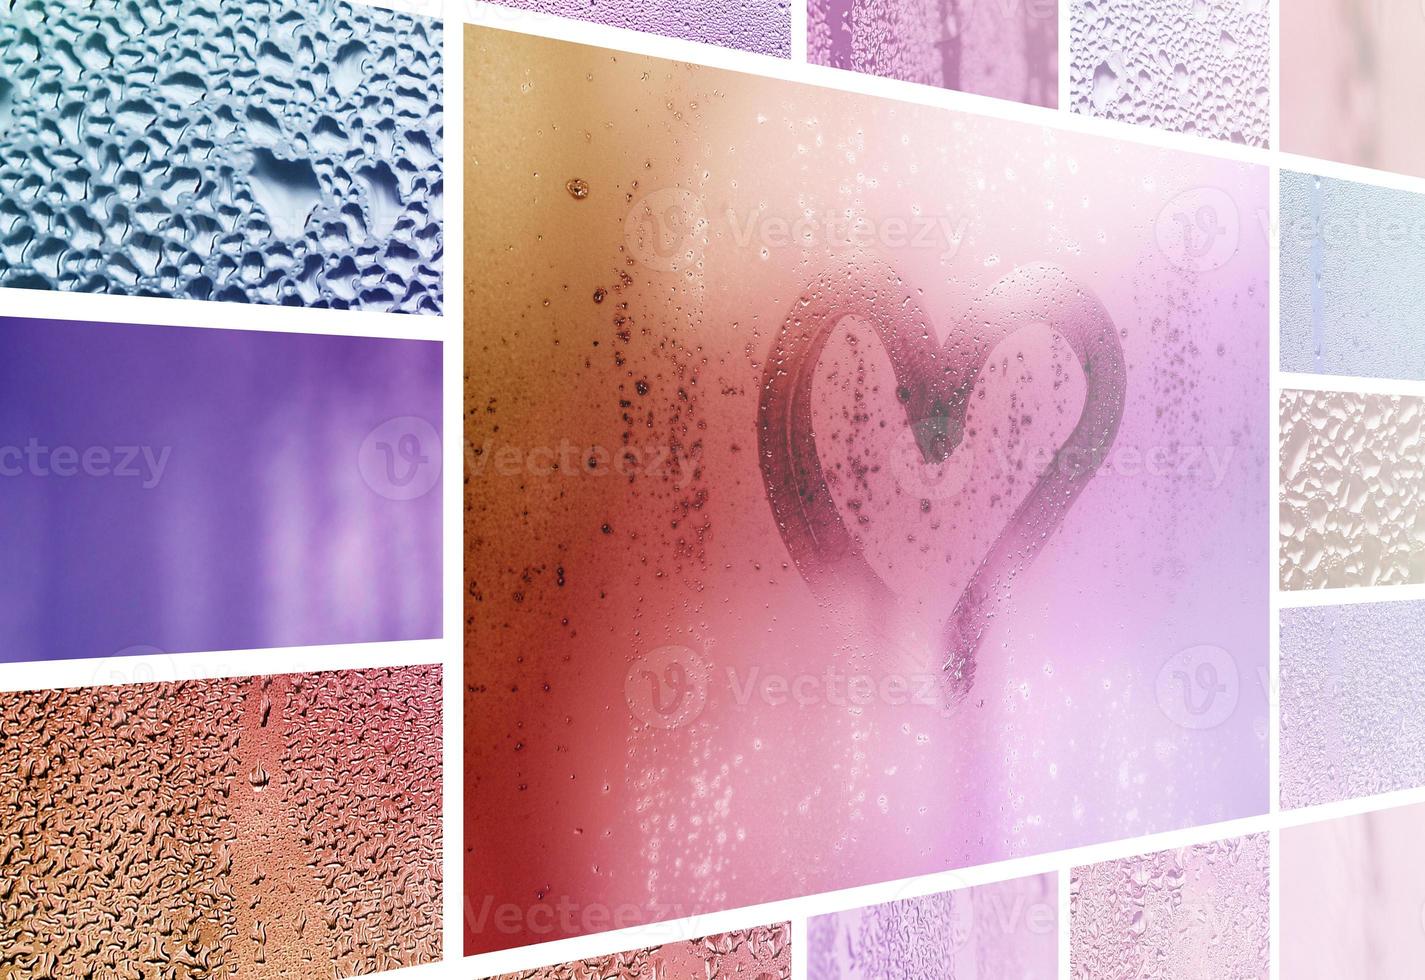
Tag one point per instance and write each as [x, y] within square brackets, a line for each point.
[1353, 897]
[1352, 73]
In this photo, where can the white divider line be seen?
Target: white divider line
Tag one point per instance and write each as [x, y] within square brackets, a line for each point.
[1066, 55]
[454, 488]
[1066, 934]
[153, 666]
[1349, 596]
[54, 304]
[1353, 385]
[1273, 558]
[800, 17]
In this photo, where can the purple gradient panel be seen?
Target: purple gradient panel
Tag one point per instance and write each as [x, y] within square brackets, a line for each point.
[172, 489]
[999, 931]
[1195, 913]
[759, 26]
[1353, 897]
[1004, 50]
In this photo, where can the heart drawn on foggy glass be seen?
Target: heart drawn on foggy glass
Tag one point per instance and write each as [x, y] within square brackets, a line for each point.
[934, 383]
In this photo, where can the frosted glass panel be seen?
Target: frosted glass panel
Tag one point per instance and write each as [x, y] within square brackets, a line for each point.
[255, 151]
[280, 826]
[795, 389]
[1352, 278]
[1351, 77]
[1351, 485]
[1200, 67]
[1351, 723]
[1006, 50]
[1198, 913]
[1005, 929]
[762, 26]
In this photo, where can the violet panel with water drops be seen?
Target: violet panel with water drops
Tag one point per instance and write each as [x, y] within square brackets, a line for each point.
[175, 489]
[1008, 929]
[1005, 50]
[1195, 913]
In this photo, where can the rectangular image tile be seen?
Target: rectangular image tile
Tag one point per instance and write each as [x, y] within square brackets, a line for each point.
[285, 826]
[845, 477]
[1351, 76]
[1352, 701]
[761, 953]
[1351, 485]
[1353, 897]
[1352, 278]
[174, 489]
[1202, 68]
[1004, 929]
[282, 151]
[1195, 913]
[1004, 50]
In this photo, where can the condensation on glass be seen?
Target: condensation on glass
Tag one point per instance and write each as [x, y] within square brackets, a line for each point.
[1351, 484]
[1199, 67]
[1194, 913]
[258, 151]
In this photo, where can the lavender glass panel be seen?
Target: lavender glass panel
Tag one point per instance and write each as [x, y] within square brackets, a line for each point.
[186, 489]
[1005, 50]
[760, 26]
[1006, 929]
[1351, 718]
[1352, 278]
[1195, 913]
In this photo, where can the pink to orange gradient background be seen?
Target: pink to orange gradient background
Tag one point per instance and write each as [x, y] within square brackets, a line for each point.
[662, 717]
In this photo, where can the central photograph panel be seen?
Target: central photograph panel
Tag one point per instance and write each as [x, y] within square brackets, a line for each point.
[854, 490]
